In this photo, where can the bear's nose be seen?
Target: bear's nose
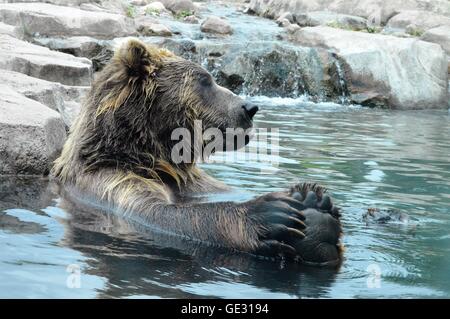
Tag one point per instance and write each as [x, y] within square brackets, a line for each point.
[250, 109]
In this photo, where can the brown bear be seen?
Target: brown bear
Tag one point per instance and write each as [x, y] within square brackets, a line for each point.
[118, 156]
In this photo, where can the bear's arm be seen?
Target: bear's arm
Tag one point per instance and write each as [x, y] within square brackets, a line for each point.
[269, 225]
[262, 226]
[224, 224]
[202, 184]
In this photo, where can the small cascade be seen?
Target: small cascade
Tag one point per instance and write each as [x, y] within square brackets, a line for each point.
[344, 97]
[273, 72]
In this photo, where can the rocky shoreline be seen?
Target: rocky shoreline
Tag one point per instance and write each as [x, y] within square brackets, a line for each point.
[388, 54]
[387, 47]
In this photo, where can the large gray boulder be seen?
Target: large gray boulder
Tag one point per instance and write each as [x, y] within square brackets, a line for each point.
[31, 134]
[378, 11]
[216, 25]
[316, 18]
[139, 2]
[43, 19]
[439, 35]
[148, 26]
[98, 51]
[115, 6]
[418, 19]
[57, 2]
[45, 92]
[112, 6]
[42, 63]
[7, 29]
[62, 98]
[384, 70]
[156, 7]
[179, 6]
[79, 46]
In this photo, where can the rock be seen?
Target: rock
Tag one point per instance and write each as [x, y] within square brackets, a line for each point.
[100, 60]
[155, 7]
[139, 2]
[115, 6]
[7, 29]
[98, 51]
[337, 20]
[50, 20]
[292, 28]
[64, 99]
[439, 35]
[383, 70]
[185, 48]
[417, 19]
[283, 22]
[70, 3]
[94, 7]
[379, 11]
[288, 16]
[148, 27]
[154, 29]
[86, 47]
[413, 30]
[31, 134]
[45, 92]
[25, 192]
[274, 9]
[111, 6]
[42, 63]
[179, 6]
[191, 19]
[70, 112]
[216, 25]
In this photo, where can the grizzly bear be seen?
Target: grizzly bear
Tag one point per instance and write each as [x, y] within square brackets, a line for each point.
[118, 156]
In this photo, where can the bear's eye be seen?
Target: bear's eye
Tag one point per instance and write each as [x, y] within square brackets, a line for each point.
[205, 80]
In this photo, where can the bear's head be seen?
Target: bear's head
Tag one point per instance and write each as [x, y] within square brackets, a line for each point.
[139, 99]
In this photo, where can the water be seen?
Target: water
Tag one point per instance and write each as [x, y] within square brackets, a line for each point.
[366, 158]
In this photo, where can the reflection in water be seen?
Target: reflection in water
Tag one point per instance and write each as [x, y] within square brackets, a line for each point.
[367, 158]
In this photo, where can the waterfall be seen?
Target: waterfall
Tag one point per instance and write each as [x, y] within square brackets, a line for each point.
[343, 98]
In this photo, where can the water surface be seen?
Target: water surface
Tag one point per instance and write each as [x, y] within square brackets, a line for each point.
[366, 158]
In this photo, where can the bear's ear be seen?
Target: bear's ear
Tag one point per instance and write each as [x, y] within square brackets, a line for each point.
[140, 59]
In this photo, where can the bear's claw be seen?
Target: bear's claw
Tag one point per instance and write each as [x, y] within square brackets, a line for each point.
[274, 248]
[312, 195]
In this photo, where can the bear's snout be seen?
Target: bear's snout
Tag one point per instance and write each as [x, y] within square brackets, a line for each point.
[250, 109]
